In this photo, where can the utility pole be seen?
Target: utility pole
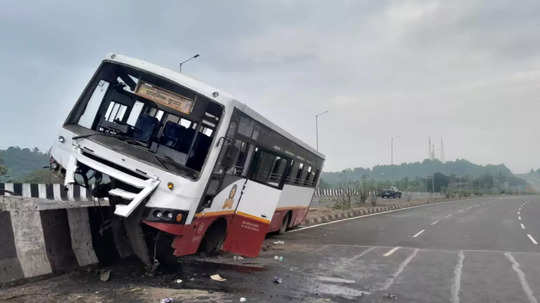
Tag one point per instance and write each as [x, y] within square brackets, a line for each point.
[429, 149]
[317, 128]
[442, 150]
[392, 150]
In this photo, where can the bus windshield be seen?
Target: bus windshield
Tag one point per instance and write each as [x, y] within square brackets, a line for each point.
[148, 117]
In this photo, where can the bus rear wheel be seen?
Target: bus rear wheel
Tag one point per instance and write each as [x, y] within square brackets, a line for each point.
[285, 223]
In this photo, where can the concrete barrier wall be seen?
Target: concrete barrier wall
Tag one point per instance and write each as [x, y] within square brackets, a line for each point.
[328, 197]
[44, 229]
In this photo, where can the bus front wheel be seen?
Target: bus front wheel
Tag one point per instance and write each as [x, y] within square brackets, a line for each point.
[213, 238]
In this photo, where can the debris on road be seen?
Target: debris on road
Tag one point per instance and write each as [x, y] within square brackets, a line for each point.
[278, 258]
[238, 258]
[390, 296]
[105, 275]
[278, 280]
[178, 281]
[279, 242]
[167, 300]
[243, 299]
[217, 277]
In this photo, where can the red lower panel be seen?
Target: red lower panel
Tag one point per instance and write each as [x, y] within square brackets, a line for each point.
[188, 237]
[245, 236]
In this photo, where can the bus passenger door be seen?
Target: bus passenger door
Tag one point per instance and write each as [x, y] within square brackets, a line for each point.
[257, 202]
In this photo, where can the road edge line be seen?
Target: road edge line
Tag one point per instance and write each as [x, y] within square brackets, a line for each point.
[374, 214]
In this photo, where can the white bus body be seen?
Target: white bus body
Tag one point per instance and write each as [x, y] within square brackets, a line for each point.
[184, 158]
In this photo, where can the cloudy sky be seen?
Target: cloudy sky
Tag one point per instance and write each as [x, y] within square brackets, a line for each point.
[466, 71]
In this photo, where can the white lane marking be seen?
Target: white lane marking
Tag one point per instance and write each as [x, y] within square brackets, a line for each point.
[518, 213]
[370, 215]
[401, 267]
[334, 280]
[419, 233]
[390, 252]
[519, 218]
[456, 286]
[434, 222]
[360, 255]
[522, 226]
[522, 279]
[532, 239]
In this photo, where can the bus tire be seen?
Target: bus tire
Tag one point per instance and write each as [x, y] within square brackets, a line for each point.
[285, 224]
[164, 251]
[214, 237]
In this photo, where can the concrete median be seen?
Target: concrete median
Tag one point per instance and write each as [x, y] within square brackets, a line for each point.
[45, 229]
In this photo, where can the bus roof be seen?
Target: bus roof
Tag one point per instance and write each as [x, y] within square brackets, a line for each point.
[208, 91]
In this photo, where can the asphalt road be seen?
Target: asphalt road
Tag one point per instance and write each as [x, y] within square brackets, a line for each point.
[480, 250]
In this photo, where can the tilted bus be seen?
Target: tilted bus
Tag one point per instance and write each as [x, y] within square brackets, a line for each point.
[183, 162]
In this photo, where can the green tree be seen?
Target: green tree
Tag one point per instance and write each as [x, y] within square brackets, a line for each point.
[3, 169]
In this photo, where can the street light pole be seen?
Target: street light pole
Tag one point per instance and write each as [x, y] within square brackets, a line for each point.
[188, 59]
[392, 150]
[317, 128]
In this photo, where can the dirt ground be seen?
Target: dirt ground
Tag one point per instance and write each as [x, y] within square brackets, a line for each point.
[129, 282]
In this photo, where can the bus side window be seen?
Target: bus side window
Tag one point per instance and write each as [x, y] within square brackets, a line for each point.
[299, 179]
[291, 177]
[309, 176]
[315, 177]
[267, 168]
[278, 169]
[241, 157]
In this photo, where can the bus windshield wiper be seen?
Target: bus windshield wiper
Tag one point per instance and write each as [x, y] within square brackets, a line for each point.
[96, 134]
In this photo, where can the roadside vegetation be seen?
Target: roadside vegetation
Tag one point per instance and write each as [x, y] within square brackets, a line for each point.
[25, 165]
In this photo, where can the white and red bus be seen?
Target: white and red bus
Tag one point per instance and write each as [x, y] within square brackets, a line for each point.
[183, 161]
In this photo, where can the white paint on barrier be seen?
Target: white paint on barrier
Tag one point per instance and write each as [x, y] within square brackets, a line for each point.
[30, 241]
[522, 279]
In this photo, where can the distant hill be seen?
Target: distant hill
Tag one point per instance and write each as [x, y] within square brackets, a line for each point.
[22, 162]
[459, 168]
[533, 178]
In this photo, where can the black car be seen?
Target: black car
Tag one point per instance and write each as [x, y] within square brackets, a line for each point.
[391, 193]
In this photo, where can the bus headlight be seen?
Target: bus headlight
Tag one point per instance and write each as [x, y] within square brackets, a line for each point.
[165, 215]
